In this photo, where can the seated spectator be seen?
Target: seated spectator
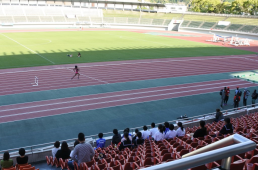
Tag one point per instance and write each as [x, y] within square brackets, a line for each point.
[202, 131]
[64, 152]
[135, 135]
[180, 130]
[129, 135]
[160, 135]
[6, 162]
[128, 131]
[74, 144]
[227, 128]
[83, 151]
[139, 140]
[22, 159]
[116, 138]
[166, 124]
[126, 143]
[100, 143]
[171, 133]
[153, 130]
[55, 149]
[145, 132]
[219, 116]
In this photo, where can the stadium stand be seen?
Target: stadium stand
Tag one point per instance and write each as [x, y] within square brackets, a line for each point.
[247, 28]
[207, 25]
[145, 21]
[247, 21]
[157, 21]
[120, 20]
[195, 24]
[203, 18]
[46, 19]
[220, 27]
[233, 27]
[152, 153]
[185, 23]
[33, 19]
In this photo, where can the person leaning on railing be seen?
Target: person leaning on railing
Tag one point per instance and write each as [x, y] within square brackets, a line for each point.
[6, 162]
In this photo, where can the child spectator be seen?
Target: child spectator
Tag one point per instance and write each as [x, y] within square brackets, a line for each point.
[22, 159]
[145, 133]
[6, 162]
[64, 152]
[100, 143]
[127, 143]
[116, 138]
[153, 130]
[166, 124]
[219, 116]
[55, 149]
[200, 132]
[139, 140]
[160, 135]
[227, 128]
[74, 144]
[171, 133]
[180, 130]
[135, 137]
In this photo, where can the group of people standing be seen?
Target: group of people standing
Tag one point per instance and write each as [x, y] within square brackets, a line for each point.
[238, 93]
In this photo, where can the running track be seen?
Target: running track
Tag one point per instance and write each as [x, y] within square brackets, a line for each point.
[19, 80]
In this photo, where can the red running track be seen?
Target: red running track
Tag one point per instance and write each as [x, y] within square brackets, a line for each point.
[55, 77]
[103, 100]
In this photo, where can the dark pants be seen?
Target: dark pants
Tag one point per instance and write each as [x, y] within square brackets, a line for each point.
[226, 100]
[70, 164]
[244, 101]
[236, 104]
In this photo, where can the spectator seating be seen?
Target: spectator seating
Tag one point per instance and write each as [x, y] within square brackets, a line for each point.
[220, 27]
[247, 21]
[185, 23]
[195, 24]
[247, 28]
[233, 27]
[203, 18]
[208, 25]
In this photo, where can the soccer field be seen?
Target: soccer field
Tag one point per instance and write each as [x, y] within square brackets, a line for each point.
[27, 49]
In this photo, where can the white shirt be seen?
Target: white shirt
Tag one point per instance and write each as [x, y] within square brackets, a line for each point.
[153, 131]
[170, 134]
[159, 136]
[180, 132]
[54, 151]
[145, 134]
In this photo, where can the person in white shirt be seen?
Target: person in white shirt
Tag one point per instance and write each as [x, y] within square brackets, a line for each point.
[55, 149]
[153, 130]
[75, 143]
[171, 133]
[180, 130]
[145, 132]
[160, 135]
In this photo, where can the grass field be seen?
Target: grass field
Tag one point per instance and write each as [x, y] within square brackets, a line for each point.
[51, 48]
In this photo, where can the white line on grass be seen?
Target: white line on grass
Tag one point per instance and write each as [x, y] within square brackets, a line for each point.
[102, 81]
[28, 48]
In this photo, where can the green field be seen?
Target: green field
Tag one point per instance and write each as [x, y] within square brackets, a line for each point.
[51, 48]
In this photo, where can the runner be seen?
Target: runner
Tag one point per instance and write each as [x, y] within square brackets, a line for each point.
[76, 70]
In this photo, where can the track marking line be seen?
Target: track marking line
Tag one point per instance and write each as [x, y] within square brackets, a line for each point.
[128, 94]
[33, 112]
[102, 81]
[27, 48]
[141, 62]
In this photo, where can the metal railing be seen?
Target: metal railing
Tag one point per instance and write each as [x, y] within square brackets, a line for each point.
[223, 149]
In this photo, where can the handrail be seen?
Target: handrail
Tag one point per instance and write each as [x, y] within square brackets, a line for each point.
[233, 145]
[189, 120]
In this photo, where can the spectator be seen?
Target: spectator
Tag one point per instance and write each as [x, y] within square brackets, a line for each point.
[153, 130]
[55, 149]
[236, 100]
[128, 131]
[135, 135]
[64, 152]
[166, 124]
[127, 143]
[254, 97]
[145, 133]
[100, 143]
[83, 151]
[6, 162]
[160, 135]
[139, 140]
[22, 159]
[180, 130]
[116, 138]
[171, 133]
[219, 116]
[223, 95]
[129, 135]
[227, 128]
[76, 142]
[227, 96]
[202, 131]
[245, 96]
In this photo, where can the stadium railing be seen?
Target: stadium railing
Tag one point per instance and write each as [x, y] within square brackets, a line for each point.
[41, 149]
[223, 149]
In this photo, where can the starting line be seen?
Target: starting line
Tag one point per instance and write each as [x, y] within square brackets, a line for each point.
[36, 83]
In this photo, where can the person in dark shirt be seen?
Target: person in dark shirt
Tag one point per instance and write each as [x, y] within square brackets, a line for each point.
[127, 143]
[219, 115]
[202, 131]
[22, 159]
[116, 138]
[135, 137]
[64, 152]
[227, 128]
[139, 140]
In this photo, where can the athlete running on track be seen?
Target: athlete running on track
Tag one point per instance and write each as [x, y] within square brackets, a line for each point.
[76, 70]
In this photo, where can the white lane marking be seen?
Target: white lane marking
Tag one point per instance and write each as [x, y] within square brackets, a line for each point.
[150, 91]
[112, 101]
[28, 48]
[141, 62]
[102, 81]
